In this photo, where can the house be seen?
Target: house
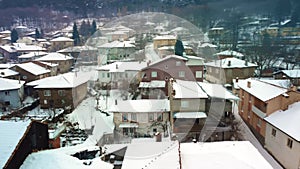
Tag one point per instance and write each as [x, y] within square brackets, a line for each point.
[259, 99]
[21, 139]
[165, 40]
[64, 62]
[11, 93]
[136, 118]
[282, 136]
[61, 91]
[155, 89]
[23, 48]
[81, 54]
[115, 51]
[224, 70]
[30, 56]
[61, 43]
[220, 111]
[196, 65]
[187, 108]
[9, 53]
[230, 54]
[292, 75]
[9, 74]
[119, 74]
[31, 71]
[53, 67]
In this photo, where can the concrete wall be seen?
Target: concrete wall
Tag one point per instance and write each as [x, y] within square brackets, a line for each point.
[14, 97]
[277, 146]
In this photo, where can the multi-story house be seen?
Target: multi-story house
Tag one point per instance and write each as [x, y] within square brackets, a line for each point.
[224, 70]
[61, 91]
[11, 93]
[64, 62]
[115, 51]
[164, 40]
[31, 71]
[119, 74]
[260, 99]
[141, 117]
[187, 108]
[61, 43]
[292, 75]
[283, 137]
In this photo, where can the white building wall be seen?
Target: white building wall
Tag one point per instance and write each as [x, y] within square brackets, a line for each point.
[277, 146]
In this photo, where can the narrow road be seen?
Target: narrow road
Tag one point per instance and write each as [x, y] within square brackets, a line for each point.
[150, 54]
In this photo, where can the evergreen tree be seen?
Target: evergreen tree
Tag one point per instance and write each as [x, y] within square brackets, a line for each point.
[179, 49]
[82, 29]
[14, 36]
[94, 27]
[75, 35]
[37, 33]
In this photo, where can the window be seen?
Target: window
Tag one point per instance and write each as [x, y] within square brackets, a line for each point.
[103, 75]
[47, 93]
[24, 77]
[6, 93]
[274, 132]
[61, 92]
[178, 63]
[133, 117]
[153, 74]
[289, 143]
[166, 67]
[181, 73]
[124, 117]
[159, 117]
[198, 74]
[184, 104]
[151, 117]
[63, 101]
[108, 75]
[259, 122]
[45, 102]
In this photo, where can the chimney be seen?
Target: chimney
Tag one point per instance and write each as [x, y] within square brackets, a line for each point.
[116, 102]
[236, 79]
[246, 62]
[249, 84]
[229, 63]
[148, 63]
[117, 67]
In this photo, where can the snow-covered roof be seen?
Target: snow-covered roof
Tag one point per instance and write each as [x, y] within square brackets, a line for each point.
[165, 37]
[217, 28]
[290, 73]
[6, 65]
[203, 45]
[230, 53]
[261, 90]
[217, 91]
[49, 64]
[5, 32]
[11, 134]
[153, 84]
[66, 80]
[168, 57]
[140, 106]
[230, 63]
[33, 68]
[54, 56]
[7, 73]
[62, 39]
[285, 83]
[287, 121]
[188, 89]
[118, 44]
[23, 47]
[31, 55]
[226, 154]
[87, 116]
[123, 66]
[9, 48]
[152, 155]
[60, 158]
[77, 49]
